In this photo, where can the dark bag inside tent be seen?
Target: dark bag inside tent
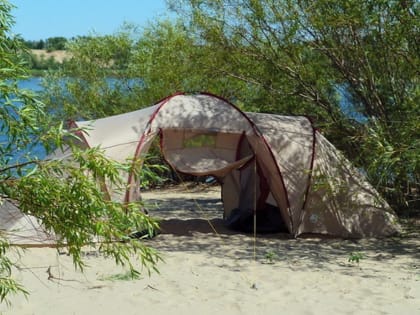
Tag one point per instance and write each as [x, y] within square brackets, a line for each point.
[267, 220]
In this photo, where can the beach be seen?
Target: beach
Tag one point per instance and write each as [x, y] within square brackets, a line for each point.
[209, 269]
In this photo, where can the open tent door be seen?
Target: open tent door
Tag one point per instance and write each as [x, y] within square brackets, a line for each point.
[246, 190]
[230, 159]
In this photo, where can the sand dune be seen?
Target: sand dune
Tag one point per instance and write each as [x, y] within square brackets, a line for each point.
[227, 273]
[58, 55]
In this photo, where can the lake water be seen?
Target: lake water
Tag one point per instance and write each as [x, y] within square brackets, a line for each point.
[33, 84]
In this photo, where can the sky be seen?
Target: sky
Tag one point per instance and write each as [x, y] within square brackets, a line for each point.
[41, 19]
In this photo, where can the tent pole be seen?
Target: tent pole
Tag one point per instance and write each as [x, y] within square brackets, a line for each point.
[255, 208]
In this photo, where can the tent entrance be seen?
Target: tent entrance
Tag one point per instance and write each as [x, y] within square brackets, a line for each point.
[245, 190]
[230, 159]
[253, 196]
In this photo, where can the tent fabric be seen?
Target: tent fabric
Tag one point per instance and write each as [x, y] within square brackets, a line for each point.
[21, 229]
[198, 153]
[296, 169]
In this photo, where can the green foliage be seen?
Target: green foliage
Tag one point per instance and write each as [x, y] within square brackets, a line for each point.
[8, 69]
[130, 70]
[355, 257]
[393, 163]
[351, 65]
[152, 172]
[8, 285]
[199, 141]
[50, 44]
[67, 195]
[169, 59]
[40, 63]
[56, 43]
[93, 84]
[271, 257]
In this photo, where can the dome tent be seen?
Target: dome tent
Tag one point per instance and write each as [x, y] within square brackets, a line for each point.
[261, 160]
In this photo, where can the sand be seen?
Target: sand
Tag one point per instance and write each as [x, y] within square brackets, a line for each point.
[58, 55]
[225, 272]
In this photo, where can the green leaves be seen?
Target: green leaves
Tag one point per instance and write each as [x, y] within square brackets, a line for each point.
[392, 160]
[350, 65]
[8, 285]
[71, 201]
[355, 257]
[68, 195]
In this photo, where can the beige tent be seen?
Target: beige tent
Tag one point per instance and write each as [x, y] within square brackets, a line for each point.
[279, 165]
[21, 229]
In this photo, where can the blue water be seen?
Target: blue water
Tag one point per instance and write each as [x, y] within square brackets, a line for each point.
[347, 105]
[35, 150]
[33, 84]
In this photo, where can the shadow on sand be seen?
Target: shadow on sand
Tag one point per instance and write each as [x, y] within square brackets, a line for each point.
[194, 226]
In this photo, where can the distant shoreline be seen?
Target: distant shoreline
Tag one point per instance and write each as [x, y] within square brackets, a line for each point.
[58, 55]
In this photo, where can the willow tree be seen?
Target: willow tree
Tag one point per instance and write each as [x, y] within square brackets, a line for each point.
[133, 68]
[64, 195]
[352, 65]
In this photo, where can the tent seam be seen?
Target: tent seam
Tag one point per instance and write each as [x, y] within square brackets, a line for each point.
[141, 141]
[310, 173]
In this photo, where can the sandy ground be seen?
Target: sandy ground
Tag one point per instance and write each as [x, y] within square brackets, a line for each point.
[227, 273]
[58, 55]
